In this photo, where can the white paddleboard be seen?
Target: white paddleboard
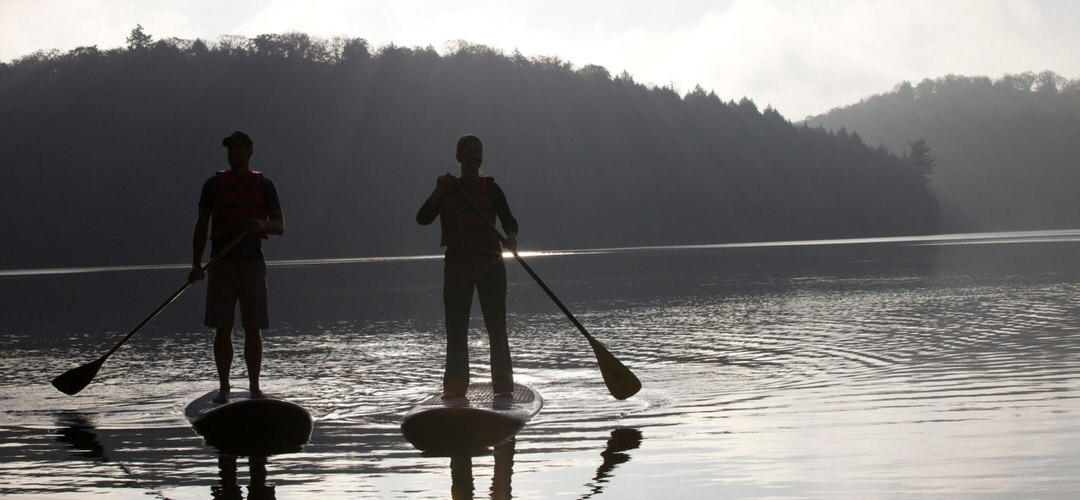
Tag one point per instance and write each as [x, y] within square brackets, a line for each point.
[477, 421]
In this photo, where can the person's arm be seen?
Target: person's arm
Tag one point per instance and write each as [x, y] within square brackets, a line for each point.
[198, 244]
[275, 225]
[430, 209]
[506, 217]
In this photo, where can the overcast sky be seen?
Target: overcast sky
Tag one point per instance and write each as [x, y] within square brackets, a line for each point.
[803, 57]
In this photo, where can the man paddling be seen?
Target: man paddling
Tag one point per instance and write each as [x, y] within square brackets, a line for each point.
[234, 201]
[473, 260]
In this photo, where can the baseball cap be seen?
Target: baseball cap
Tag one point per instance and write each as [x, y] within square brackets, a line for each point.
[239, 138]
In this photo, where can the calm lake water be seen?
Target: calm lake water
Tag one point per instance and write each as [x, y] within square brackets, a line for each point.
[920, 368]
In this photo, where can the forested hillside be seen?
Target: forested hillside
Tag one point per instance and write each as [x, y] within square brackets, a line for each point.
[1005, 151]
[103, 152]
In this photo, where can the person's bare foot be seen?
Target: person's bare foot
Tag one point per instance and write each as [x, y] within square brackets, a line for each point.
[452, 395]
[257, 394]
[222, 396]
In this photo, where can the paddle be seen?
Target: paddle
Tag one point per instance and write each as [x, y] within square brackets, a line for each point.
[76, 379]
[620, 381]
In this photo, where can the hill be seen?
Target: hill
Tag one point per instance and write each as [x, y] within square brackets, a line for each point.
[103, 152]
[1005, 149]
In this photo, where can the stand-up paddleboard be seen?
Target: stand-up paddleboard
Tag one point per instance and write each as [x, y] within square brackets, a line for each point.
[246, 426]
[477, 421]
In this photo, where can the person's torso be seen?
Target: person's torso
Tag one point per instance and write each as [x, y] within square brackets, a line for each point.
[235, 202]
[467, 222]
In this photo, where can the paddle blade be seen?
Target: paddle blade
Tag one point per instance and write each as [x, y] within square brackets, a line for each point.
[76, 379]
[620, 381]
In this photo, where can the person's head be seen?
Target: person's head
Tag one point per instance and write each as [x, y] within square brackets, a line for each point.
[240, 149]
[470, 151]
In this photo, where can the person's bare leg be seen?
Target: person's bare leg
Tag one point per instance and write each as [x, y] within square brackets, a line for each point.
[223, 356]
[253, 352]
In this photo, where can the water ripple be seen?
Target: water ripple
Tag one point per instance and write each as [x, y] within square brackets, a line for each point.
[938, 381]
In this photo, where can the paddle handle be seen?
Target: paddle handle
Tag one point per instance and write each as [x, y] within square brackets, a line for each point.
[176, 294]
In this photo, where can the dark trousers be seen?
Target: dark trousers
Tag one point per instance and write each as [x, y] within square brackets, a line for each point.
[486, 274]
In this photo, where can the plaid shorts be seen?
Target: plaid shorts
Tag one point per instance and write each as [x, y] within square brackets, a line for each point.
[229, 282]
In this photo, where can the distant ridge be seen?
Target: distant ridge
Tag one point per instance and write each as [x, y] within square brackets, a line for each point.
[104, 151]
[1006, 150]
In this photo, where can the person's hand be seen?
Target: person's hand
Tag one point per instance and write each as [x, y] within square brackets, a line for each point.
[195, 274]
[256, 226]
[445, 182]
[510, 243]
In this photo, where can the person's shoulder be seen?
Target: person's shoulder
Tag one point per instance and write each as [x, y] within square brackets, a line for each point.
[269, 190]
[208, 192]
[268, 183]
[492, 185]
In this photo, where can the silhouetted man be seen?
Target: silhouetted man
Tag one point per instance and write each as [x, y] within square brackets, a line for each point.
[234, 201]
[473, 260]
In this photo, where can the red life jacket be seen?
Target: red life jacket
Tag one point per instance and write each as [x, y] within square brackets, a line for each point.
[461, 225]
[237, 202]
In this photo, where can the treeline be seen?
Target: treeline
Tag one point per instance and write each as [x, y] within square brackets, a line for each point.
[103, 152]
[1005, 150]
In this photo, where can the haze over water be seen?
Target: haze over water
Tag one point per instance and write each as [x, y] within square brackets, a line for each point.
[895, 368]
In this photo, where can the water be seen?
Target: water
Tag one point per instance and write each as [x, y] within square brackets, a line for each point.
[893, 368]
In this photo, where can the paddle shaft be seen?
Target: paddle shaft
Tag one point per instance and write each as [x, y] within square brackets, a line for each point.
[176, 294]
[76, 379]
[621, 382]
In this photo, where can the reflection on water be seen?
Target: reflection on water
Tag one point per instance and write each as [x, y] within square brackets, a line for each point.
[919, 369]
[76, 431]
[622, 441]
[229, 488]
[461, 474]
[461, 467]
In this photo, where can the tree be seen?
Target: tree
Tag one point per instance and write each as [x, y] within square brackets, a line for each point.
[138, 39]
[356, 49]
[199, 48]
[594, 72]
[919, 157]
[1048, 82]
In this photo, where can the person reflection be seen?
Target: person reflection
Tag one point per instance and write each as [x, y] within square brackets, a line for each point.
[461, 486]
[621, 440]
[228, 487]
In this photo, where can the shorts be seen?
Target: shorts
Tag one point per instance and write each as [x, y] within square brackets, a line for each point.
[230, 282]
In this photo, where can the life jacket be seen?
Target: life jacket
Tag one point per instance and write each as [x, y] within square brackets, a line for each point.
[236, 203]
[461, 225]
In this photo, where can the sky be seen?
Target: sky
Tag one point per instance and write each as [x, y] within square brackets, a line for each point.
[802, 57]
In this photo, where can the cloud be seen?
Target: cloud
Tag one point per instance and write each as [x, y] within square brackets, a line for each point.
[26, 27]
[802, 57]
[809, 56]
